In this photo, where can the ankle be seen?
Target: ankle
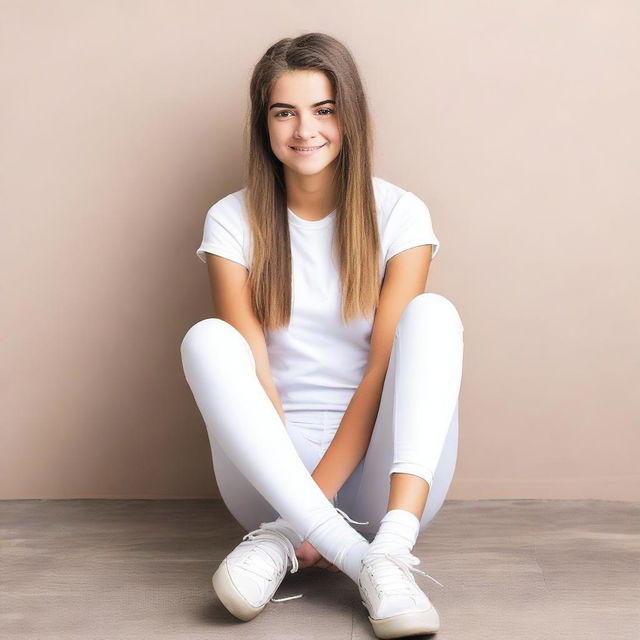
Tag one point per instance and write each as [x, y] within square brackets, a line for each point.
[398, 530]
[340, 544]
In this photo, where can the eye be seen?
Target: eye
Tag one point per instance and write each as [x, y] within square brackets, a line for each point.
[329, 112]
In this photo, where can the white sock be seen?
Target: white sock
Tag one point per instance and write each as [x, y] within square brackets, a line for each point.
[352, 562]
[340, 544]
[347, 547]
[398, 531]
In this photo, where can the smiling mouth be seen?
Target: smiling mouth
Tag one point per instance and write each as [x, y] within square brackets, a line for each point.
[307, 149]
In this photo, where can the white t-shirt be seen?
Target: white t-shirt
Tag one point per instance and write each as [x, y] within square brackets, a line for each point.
[317, 362]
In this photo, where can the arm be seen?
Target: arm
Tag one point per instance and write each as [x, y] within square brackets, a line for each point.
[231, 295]
[405, 278]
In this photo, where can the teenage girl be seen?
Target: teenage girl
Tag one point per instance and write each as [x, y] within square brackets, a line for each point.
[329, 383]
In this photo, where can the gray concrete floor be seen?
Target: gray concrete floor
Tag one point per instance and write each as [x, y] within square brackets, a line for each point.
[512, 569]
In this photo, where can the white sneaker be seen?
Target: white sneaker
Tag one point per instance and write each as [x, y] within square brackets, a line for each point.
[248, 577]
[397, 606]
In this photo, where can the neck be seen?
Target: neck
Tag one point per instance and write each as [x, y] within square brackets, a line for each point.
[311, 196]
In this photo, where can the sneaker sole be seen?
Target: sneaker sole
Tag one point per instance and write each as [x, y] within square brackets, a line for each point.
[230, 597]
[406, 624]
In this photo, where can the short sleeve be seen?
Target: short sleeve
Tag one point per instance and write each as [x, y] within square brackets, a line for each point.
[223, 233]
[409, 225]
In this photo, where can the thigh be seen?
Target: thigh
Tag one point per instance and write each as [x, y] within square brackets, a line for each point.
[240, 497]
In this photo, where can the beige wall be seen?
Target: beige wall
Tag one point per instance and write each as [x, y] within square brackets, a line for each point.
[122, 122]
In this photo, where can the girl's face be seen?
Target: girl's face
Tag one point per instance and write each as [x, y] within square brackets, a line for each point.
[302, 113]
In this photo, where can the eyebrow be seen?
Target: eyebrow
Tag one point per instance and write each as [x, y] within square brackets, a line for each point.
[290, 106]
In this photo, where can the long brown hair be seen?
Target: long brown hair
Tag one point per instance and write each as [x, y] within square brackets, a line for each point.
[356, 238]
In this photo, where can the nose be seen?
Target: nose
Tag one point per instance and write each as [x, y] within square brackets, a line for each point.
[305, 128]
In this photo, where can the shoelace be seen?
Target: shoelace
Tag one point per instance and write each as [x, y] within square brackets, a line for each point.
[267, 531]
[385, 575]
[290, 550]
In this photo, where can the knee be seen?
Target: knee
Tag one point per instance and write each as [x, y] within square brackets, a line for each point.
[211, 334]
[433, 307]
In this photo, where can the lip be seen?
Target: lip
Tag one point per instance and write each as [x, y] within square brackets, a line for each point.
[308, 153]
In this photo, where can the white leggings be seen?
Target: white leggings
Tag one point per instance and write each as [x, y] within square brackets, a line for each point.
[264, 471]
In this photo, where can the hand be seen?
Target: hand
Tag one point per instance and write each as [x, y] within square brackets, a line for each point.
[308, 556]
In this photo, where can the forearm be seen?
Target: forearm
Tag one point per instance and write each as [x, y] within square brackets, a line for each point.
[351, 440]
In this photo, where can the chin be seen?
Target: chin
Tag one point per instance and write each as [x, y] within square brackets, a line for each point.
[308, 171]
